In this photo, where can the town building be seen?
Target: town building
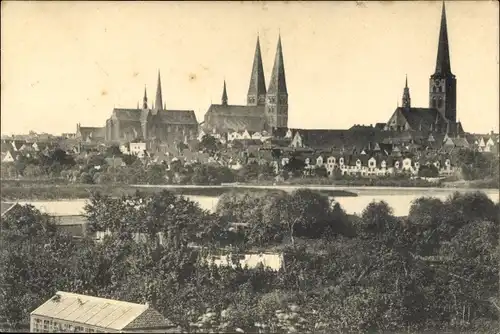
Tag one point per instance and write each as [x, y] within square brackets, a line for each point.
[89, 134]
[265, 108]
[71, 312]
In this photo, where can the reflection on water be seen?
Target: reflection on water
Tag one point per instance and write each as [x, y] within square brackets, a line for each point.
[400, 203]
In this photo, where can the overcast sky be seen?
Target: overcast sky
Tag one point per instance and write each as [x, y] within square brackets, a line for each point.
[69, 62]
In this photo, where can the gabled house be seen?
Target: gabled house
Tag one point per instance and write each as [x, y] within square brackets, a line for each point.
[16, 145]
[6, 207]
[76, 313]
[138, 149]
[125, 148]
[10, 156]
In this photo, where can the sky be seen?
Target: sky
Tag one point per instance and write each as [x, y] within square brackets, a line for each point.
[64, 63]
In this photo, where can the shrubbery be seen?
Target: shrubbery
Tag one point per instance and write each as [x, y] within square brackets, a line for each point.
[435, 271]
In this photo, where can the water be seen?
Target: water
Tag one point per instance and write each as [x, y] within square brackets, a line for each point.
[400, 201]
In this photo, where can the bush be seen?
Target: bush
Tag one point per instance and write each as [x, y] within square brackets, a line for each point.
[428, 171]
[86, 178]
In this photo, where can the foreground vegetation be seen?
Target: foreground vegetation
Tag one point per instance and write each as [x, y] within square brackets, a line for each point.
[435, 270]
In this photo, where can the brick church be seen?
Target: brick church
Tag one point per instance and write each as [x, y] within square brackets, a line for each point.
[151, 122]
[441, 115]
[265, 110]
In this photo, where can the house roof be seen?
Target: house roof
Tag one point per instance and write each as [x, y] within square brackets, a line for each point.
[59, 208]
[162, 116]
[13, 154]
[6, 207]
[421, 117]
[96, 132]
[125, 114]
[356, 137]
[176, 117]
[226, 118]
[460, 142]
[100, 312]
[71, 220]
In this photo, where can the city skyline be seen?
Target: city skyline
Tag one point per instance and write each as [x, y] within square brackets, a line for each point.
[86, 67]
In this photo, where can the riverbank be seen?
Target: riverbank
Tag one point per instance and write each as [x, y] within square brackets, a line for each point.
[42, 192]
[387, 182]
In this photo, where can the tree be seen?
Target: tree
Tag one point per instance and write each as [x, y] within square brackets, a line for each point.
[376, 217]
[309, 213]
[211, 174]
[156, 174]
[86, 178]
[428, 171]
[113, 151]
[129, 159]
[320, 171]
[33, 262]
[294, 166]
[208, 143]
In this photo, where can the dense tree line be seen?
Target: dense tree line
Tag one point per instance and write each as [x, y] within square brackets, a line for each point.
[436, 269]
[104, 168]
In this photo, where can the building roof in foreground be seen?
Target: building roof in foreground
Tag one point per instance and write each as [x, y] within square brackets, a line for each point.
[6, 207]
[100, 312]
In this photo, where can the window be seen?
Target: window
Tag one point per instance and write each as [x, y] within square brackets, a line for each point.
[37, 325]
[440, 103]
[46, 325]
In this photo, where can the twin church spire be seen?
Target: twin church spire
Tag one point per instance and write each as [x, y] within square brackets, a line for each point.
[257, 88]
[257, 91]
[158, 103]
[277, 84]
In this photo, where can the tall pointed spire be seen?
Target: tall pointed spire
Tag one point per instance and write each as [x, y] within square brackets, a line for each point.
[158, 100]
[257, 88]
[278, 80]
[224, 95]
[145, 99]
[406, 95]
[443, 65]
[277, 95]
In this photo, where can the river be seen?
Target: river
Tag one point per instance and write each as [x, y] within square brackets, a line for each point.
[398, 198]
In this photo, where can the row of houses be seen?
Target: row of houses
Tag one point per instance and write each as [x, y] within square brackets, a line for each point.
[357, 136]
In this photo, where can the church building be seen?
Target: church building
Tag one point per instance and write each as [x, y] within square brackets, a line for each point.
[151, 122]
[265, 110]
[441, 115]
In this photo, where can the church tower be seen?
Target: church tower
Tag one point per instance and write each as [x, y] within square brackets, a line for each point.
[158, 100]
[277, 96]
[145, 100]
[443, 84]
[257, 89]
[224, 95]
[406, 96]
